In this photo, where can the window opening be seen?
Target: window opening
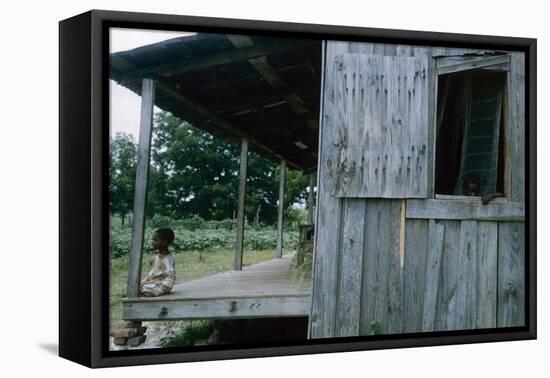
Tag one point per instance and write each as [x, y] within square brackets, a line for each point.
[469, 144]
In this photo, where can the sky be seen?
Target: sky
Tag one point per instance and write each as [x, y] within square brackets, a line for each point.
[125, 104]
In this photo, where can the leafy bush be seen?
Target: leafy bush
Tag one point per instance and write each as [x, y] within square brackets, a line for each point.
[196, 234]
[190, 334]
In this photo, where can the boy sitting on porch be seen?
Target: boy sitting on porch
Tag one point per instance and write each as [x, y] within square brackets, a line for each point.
[160, 279]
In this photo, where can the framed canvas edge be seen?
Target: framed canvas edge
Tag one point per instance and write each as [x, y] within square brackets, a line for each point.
[100, 20]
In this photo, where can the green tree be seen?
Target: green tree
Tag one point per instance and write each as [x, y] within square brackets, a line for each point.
[122, 173]
[194, 172]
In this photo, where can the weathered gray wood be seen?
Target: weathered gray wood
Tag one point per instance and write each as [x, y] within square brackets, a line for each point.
[140, 191]
[465, 209]
[431, 98]
[511, 275]
[272, 277]
[486, 279]
[390, 49]
[239, 242]
[443, 61]
[402, 230]
[414, 272]
[395, 297]
[314, 311]
[433, 272]
[448, 65]
[348, 308]
[498, 68]
[310, 199]
[240, 40]
[476, 199]
[219, 308]
[212, 296]
[382, 126]
[280, 209]
[328, 214]
[272, 77]
[356, 48]
[223, 57]
[270, 74]
[514, 154]
[367, 48]
[395, 274]
[467, 272]
[448, 281]
[382, 289]
[457, 51]
[379, 48]
[404, 50]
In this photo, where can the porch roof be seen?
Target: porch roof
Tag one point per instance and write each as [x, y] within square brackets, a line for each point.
[263, 88]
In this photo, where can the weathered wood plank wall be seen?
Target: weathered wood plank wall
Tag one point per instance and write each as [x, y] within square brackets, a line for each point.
[381, 126]
[460, 271]
[511, 280]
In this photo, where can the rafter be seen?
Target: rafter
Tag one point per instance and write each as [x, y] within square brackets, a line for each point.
[180, 66]
[270, 75]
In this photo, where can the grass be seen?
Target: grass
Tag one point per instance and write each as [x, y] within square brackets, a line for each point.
[190, 265]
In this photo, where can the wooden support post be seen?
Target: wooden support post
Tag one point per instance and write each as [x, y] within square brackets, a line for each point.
[140, 192]
[239, 244]
[279, 250]
[310, 200]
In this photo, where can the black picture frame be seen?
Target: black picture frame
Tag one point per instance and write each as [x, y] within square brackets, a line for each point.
[83, 152]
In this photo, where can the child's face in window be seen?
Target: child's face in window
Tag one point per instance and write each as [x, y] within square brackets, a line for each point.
[471, 189]
[157, 243]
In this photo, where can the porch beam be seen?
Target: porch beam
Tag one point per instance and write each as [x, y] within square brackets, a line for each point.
[239, 244]
[140, 192]
[282, 171]
[218, 308]
[310, 199]
[269, 74]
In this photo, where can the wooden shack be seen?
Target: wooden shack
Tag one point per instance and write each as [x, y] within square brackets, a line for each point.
[392, 252]
[394, 133]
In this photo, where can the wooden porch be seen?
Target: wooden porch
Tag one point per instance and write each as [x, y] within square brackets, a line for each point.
[267, 289]
[261, 92]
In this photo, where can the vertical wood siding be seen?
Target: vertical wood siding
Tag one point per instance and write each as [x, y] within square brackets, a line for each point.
[381, 126]
[511, 279]
[444, 275]
[514, 155]
[381, 297]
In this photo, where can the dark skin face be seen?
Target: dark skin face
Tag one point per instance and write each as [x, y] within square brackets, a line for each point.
[471, 189]
[159, 244]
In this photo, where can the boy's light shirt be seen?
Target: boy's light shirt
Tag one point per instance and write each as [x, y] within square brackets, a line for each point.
[162, 276]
